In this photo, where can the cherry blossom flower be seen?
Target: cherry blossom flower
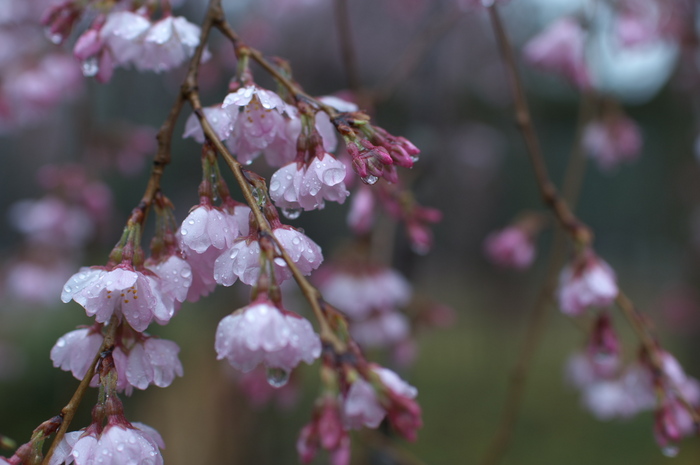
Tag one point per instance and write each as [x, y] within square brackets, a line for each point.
[363, 407]
[381, 330]
[167, 44]
[612, 141]
[307, 187]
[358, 292]
[175, 279]
[50, 220]
[362, 207]
[219, 119]
[208, 226]
[587, 282]
[258, 116]
[511, 247]
[242, 260]
[263, 332]
[559, 49]
[123, 33]
[118, 443]
[326, 431]
[154, 361]
[121, 291]
[76, 350]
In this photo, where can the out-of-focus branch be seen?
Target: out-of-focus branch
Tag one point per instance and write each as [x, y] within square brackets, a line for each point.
[574, 227]
[347, 46]
[439, 24]
[68, 412]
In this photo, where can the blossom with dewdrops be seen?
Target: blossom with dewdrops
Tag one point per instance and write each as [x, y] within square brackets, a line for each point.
[117, 443]
[265, 333]
[559, 49]
[167, 44]
[242, 260]
[258, 117]
[75, 351]
[219, 119]
[122, 291]
[307, 187]
[208, 226]
[587, 282]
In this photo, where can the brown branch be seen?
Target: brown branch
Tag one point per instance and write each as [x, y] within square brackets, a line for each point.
[578, 231]
[571, 187]
[68, 412]
[347, 49]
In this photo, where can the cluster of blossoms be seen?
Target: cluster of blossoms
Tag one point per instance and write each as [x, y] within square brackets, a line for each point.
[610, 390]
[371, 296]
[35, 78]
[514, 246]
[123, 35]
[355, 396]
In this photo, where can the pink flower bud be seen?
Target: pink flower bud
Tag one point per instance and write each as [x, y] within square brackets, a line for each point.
[510, 248]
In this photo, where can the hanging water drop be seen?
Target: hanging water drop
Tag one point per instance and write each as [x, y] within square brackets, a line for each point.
[670, 450]
[90, 67]
[369, 179]
[291, 213]
[277, 377]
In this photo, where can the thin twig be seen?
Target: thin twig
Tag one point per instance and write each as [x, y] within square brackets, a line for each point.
[438, 25]
[68, 412]
[347, 46]
[571, 187]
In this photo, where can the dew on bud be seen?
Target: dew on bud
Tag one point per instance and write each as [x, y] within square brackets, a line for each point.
[183, 232]
[369, 179]
[291, 213]
[90, 67]
[277, 377]
[670, 450]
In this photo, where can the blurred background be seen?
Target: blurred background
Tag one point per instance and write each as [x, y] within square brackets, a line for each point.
[429, 71]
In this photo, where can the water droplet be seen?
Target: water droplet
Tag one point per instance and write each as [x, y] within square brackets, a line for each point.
[120, 447]
[369, 179]
[191, 221]
[258, 196]
[291, 213]
[67, 288]
[183, 232]
[54, 37]
[670, 450]
[277, 377]
[90, 67]
[296, 241]
[61, 343]
[186, 273]
[274, 186]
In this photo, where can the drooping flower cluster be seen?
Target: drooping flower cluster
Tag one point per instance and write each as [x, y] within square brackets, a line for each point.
[371, 296]
[124, 38]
